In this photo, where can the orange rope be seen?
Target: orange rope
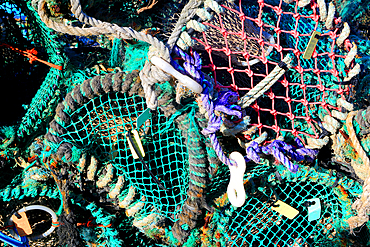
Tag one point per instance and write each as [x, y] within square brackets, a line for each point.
[150, 5]
[31, 55]
[5, 227]
[88, 224]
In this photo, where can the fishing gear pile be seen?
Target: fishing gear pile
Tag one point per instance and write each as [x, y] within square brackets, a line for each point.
[184, 123]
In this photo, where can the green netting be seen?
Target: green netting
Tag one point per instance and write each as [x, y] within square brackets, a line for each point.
[101, 126]
[256, 224]
[29, 32]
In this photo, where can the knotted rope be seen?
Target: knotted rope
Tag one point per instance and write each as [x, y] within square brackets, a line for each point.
[149, 75]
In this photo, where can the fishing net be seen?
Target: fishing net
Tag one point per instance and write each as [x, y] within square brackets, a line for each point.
[256, 224]
[101, 129]
[27, 48]
[248, 58]
[241, 46]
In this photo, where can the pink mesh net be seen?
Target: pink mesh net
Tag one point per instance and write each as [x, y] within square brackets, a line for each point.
[244, 43]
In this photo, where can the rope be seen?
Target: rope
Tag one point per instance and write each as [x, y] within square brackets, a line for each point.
[303, 3]
[89, 89]
[331, 124]
[351, 55]
[187, 13]
[182, 38]
[339, 115]
[346, 105]
[353, 72]
[99, 27]
[361, 205]
[322, 10]
[363, 119]
[198, 174]
[344, 34]
[265, 84]
[317, 143]
[31, 55]
[149, 75]
[330, 16]
[117, 188]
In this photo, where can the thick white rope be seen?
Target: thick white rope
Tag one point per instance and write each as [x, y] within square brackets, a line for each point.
[265, 84]
[345, 104]
[317, 143]
[344, 34]
[331, 124]
[322, 10]
[303, 3]
[339, 115]
[353, 72]
[351, 55]
[330, 16]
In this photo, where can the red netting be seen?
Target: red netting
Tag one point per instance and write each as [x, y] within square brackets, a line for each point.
[307, 89]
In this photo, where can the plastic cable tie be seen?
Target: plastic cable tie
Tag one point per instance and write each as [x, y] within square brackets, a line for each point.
[311, 45]
[143, 117]
[285, 209]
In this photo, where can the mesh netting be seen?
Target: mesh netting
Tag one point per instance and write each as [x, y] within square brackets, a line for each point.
[306, 91]
[101, 128]
[17, 73]
[257, 224]
[98, 173]
[24, 39]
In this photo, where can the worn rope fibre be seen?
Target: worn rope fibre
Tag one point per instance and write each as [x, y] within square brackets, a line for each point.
[89, 89]
[203, 163]
[361, 205]
[149, 74]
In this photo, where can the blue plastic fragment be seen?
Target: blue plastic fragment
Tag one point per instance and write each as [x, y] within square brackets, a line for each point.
[314, 210]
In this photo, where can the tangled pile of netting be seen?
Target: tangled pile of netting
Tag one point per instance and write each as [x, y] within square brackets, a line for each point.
[199, 123]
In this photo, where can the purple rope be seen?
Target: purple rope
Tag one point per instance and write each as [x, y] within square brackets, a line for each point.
[284, 160]
[192, 67]
[252, 152]
[289, 149]
[214, 124]
[278, 149]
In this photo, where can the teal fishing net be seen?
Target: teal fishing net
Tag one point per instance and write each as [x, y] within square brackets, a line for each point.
[101, 130]
[175, 195]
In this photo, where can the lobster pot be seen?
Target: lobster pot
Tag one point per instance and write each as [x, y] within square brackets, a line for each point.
[243, 44]
[99, 126]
